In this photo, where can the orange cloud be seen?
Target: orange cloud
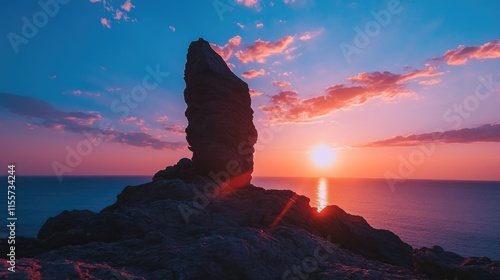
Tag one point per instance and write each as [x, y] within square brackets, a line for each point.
[281, 84]
[250, 74]
[262, 49]
[226, 51]
[462, 54]
[287, 107]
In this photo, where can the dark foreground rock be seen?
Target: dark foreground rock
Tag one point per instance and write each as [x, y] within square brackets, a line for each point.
[171, 229]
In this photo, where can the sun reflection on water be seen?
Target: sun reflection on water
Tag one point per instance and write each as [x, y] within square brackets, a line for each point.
[322, 193]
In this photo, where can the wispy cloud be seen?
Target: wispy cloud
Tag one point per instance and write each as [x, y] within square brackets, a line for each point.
[462, 54]
[287, 106]
[310, 34]
[82, 92]
[260, 49]
[484, 133]
[429, 82]
[116, 13]
[250, 74]
[138, 122]
[161, 119]
[172, 28]
[105, 22]
[255, 93]
[43, 114]
[280, 84]
[175, 128]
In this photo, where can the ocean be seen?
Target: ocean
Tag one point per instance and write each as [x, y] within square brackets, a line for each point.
[460, 216]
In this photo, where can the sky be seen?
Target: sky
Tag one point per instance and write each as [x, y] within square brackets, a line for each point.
[396, 89]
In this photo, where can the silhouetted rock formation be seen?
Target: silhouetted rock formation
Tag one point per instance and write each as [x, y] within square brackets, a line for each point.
[220, 132]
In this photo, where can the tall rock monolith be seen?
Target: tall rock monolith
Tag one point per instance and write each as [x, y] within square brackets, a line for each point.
[220, 130]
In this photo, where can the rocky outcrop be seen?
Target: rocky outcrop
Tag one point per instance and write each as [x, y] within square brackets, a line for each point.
[220, 130]
[440, 264]
[173, 229]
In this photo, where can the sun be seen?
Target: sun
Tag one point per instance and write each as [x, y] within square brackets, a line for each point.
[322, 155]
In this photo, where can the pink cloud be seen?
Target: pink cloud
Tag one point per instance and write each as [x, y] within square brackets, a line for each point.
[286, 106]
[105, 22]
[240, 25]
[162, 119]
[127, 6]
[484, 133]
[429, 82]
[118, 15]
[260, 50]
[255, 93]
[309, 35]
[250, 74]
[259, 25]
[281, 84]
[175, 128]
[462, 54]
[250, 4]
[138, 122]
[226, 51]
[171, 28]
